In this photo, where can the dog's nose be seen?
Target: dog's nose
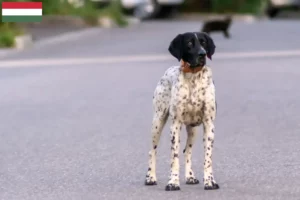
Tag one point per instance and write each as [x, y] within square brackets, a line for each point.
[202, 52]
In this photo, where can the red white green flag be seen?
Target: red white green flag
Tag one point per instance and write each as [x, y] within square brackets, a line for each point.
[22, 11]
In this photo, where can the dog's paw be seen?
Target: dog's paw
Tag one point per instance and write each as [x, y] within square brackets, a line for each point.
[172, 187]
[150, 180]
[211, 185]
[192, 181]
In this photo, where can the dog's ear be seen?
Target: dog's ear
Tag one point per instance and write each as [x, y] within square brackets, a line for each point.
[210, 45]
[175, 47]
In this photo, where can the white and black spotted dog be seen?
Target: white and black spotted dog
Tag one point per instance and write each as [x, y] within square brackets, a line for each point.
[186, 94]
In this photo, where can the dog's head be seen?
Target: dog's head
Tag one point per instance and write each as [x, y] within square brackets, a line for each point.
[192, 47]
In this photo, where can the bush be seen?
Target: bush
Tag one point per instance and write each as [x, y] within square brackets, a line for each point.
[8, 32]
[7, 39]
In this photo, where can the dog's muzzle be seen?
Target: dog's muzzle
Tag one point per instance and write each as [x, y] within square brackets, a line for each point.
[200, 60]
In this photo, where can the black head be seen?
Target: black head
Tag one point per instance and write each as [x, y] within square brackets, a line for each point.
[192, 47]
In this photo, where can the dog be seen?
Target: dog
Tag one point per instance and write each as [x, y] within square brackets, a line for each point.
[218, 25]
[186, 95]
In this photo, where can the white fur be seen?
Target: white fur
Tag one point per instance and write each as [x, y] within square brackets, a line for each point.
[188, 99]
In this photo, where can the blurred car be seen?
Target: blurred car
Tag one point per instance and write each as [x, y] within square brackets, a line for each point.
[275, 6]
[148, 9]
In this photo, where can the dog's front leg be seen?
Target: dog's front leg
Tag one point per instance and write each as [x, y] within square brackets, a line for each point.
[208, 140]
[173, 183]
[189, 174]
[226, 34]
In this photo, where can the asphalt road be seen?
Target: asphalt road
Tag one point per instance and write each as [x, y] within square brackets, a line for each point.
[82, 131]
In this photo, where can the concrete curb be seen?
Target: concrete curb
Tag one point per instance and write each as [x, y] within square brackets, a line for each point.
[104, 22]
[68, 36]
[24, 41]
[57, 20]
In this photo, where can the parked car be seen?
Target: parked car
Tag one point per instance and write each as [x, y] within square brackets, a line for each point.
[147, 9]
[275, 6]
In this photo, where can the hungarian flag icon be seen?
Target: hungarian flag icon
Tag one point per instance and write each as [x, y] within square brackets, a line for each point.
[22, 11]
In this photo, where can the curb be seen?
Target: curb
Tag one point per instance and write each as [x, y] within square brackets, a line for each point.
[24, 41]
[107, 22]
[57, 20]
[68, 36]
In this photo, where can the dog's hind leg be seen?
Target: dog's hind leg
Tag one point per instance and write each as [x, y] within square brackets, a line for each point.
[160, 116]
[189, 174]
[158, 123]
[208, 140]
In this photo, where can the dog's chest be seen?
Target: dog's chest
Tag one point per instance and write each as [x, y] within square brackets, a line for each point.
[190, 96]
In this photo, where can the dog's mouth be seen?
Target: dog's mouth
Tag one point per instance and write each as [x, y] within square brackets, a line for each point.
[200, 62]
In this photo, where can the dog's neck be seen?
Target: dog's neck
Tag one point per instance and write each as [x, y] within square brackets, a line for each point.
[185, 68]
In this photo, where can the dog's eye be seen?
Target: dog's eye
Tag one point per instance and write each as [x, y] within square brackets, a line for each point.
[202, 42]
[190, 44]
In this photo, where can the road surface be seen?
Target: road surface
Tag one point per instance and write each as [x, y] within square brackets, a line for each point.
[75, 117]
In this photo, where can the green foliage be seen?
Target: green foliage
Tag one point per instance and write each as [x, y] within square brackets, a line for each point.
[236, 6]
[8, 32]
[89, 12]
[114, 10]
[224, 6]
[56, 7]
[7, 39]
